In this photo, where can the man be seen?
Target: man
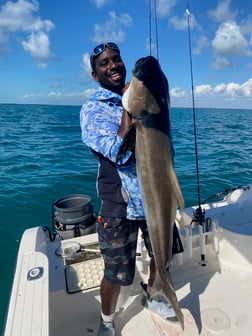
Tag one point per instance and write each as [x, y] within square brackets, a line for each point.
[104, 123]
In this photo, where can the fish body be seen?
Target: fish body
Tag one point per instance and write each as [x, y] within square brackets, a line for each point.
[147, 99]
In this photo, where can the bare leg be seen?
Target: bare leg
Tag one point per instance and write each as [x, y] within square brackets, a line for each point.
[109, 295]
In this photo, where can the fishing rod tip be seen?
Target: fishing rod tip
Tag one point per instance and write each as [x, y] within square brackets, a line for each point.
[187, 12]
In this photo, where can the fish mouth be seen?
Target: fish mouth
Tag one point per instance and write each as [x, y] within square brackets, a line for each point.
[148, 70]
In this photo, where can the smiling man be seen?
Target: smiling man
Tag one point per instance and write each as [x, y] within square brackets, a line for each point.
[108, 68]
[104, 123]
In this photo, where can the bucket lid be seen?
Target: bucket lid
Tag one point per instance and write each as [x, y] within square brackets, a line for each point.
[77, 201]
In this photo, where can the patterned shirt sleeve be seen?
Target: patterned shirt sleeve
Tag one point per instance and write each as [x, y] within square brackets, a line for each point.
[99, 123]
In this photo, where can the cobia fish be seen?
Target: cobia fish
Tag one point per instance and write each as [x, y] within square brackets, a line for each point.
[147, 99]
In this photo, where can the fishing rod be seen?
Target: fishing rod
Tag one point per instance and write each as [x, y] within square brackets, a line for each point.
[150, 26]
[156, 26]
[188, 14]
[199, 214]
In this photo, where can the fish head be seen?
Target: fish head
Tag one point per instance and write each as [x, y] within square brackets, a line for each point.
[148, 91]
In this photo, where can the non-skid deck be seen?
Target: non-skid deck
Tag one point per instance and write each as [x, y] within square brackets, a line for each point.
[84, 275]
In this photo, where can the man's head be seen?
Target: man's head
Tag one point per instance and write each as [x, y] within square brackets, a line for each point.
[107, 67]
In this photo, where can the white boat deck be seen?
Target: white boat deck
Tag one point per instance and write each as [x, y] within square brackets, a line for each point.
[216, 298]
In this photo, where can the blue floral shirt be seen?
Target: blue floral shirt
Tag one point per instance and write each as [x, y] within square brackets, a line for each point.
[100, 119]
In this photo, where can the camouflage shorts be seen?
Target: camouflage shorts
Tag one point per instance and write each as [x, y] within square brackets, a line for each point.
[118, 242]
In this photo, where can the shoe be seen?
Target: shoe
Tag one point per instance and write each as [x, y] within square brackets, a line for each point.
[158, 304]
[106, 329]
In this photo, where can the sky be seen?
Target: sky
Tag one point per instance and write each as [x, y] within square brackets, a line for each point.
[45, 47]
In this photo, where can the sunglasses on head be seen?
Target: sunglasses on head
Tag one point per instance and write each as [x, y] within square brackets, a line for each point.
[100, 48]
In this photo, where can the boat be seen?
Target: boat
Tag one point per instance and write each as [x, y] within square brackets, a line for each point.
[56, 284]
[55, 289]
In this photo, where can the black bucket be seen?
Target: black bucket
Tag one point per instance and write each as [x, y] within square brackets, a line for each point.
[73, 216]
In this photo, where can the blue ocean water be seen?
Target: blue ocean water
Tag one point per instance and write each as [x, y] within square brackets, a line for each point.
[43, 159]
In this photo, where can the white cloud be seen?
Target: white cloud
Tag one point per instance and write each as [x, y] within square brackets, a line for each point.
[182, 23]
[21, 17]
[246, 88]
[14, 16]
[164, 7]
[201, 44]
[233, 90]
[221, 63]
[220, 88]
[69, 98]
[100, 3]
[150, 46]
[203, 90]
[229, 41]
[229, 95]
[112, 28]
[246, 27]
[222, 12]
[38, 46]
[86, 63]
[178, 23]
[177, 92]
[229, 90]
[42, 65]
[232, 39]
[56, 82]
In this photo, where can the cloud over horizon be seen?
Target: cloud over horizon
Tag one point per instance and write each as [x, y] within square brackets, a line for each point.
[21, 18]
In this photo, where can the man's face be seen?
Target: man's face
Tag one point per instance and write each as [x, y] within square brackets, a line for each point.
[110, 71]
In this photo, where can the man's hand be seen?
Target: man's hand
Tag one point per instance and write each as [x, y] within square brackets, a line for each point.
[126, 120]
[125, 87]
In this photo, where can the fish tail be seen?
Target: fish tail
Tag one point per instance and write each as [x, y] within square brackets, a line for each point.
[163, 284]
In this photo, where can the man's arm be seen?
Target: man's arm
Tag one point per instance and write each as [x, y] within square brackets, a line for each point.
[126, 122]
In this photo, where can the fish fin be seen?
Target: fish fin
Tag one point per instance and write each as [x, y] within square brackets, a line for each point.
[163, 285]
[176, 189]
[128, 142]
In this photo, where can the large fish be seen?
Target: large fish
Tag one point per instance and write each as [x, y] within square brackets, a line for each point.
[147, 99]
